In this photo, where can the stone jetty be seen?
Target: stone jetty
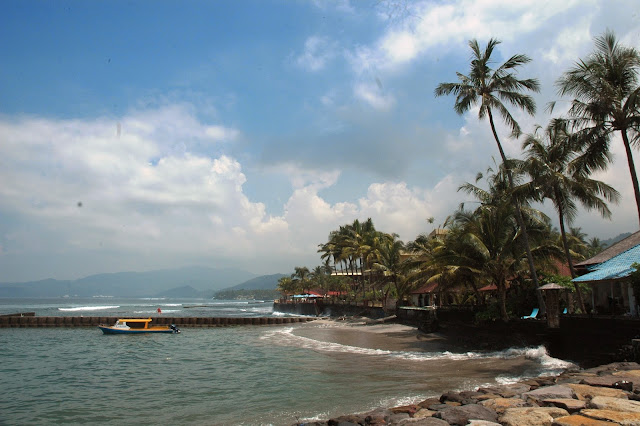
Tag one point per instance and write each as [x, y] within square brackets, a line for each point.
[36, 321]
[602, 396]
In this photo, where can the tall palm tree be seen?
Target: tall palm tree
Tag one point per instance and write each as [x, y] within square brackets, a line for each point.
[301, 277]
[388, 261]
[491, 89]
[607, 100]
[490, 234]
[549, 162]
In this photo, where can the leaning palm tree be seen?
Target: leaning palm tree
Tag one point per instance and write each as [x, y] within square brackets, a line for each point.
[607, 100]
[549, 161]
[491, 90]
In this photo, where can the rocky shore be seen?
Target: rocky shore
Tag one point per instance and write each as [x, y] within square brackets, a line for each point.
[605, 395]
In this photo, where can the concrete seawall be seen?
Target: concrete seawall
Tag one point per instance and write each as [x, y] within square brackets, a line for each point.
[35, 321]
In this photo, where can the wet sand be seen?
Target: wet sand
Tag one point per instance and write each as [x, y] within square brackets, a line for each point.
[389, 336]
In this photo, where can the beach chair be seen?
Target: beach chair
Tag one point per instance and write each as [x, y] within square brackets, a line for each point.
[533, 314]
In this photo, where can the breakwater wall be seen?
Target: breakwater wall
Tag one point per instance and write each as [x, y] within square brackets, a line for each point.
[321, 308]
[36, 321]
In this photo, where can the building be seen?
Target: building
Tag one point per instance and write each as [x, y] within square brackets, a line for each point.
[608, 275]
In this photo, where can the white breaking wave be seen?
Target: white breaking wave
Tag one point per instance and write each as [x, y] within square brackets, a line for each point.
[88, 308]
[286, 336]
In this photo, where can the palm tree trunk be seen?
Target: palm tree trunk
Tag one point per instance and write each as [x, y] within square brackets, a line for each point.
[632, 169]
[566, 252]
[525, 236]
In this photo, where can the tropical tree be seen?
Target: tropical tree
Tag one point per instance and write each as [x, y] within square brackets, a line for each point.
[286, 286]
[388, 261]
[607, 100]
[491, 234]
[491, 90]
[549, 162]
[301, 277]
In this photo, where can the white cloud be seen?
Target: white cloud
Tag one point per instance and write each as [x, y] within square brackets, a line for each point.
[428, 25]
[318, 51]
[373, 95]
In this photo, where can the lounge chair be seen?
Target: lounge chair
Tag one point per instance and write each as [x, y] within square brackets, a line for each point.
[533, 314]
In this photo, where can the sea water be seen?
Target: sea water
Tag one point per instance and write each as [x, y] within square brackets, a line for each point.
[230, 375]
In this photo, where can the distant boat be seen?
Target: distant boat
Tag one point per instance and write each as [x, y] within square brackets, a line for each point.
[137, 326]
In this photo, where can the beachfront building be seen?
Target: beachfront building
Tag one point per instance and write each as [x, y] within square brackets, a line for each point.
[608, 275]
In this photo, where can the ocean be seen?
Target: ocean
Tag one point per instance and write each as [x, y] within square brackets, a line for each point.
[242, 375]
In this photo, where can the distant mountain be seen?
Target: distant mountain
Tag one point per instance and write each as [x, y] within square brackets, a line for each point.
[612, 241]
[264, 282]
[131, 284]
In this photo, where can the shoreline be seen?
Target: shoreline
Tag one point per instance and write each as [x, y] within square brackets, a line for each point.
[601, 396]
[607, 393]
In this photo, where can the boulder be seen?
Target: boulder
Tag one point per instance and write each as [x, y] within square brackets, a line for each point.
[398, 418]
[578, 420]
[532, 416]
[550, 392]
[426, 421]
[614, 416]
[482, 423]
[586, 392]
[462, 415]
[500, 405]
[429, 402]
[423, 413]
[615, 404]
[570, 404]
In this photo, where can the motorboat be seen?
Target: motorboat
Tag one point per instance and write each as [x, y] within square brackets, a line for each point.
[137, 326]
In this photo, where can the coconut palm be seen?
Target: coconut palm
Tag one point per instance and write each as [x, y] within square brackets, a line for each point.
[491, 234]
[549, 157]
[388, 261]
[491, 90]
[607, 100]
[301, 277]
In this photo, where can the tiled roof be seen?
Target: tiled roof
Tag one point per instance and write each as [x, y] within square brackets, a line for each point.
[617, 267]
[614, 250]
[429, 288]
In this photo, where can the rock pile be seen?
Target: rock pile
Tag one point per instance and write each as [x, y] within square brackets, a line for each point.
[605, 395]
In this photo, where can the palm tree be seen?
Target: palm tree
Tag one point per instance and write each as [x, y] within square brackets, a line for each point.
[549, 162]
[607, 99]
[301, 277]
[388, 260]
[490, 235]
[491, 89]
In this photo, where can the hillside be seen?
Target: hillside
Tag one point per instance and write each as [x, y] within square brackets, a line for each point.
[202, 280]
[264, 282]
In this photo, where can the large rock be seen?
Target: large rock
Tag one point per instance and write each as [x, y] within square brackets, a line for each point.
[532, 416]
[426, 421]
[461, 415]
[578, 420]
[500, 405]
[615, 404]
[614, 416]
[569, 404]
[586, 392]
[550, 392]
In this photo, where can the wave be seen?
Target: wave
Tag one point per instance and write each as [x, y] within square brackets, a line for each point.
[88, 308]
[538, 354]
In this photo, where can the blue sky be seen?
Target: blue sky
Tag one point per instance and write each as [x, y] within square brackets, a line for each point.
[141, 135]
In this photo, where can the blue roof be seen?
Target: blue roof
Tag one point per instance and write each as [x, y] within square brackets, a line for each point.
[617, 267]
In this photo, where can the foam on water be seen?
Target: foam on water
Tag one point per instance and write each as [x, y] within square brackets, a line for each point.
[538, 354]
[88, 308]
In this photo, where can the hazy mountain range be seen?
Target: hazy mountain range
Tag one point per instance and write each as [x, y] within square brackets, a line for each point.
[182, 282]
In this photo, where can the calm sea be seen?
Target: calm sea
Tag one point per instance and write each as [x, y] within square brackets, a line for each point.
[226, 376]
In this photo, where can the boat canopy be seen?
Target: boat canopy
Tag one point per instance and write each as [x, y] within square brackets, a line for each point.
[134, 319]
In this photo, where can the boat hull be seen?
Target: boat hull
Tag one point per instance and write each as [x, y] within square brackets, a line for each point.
[112, 330]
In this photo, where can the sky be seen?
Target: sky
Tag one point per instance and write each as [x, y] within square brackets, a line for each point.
[146, 135]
